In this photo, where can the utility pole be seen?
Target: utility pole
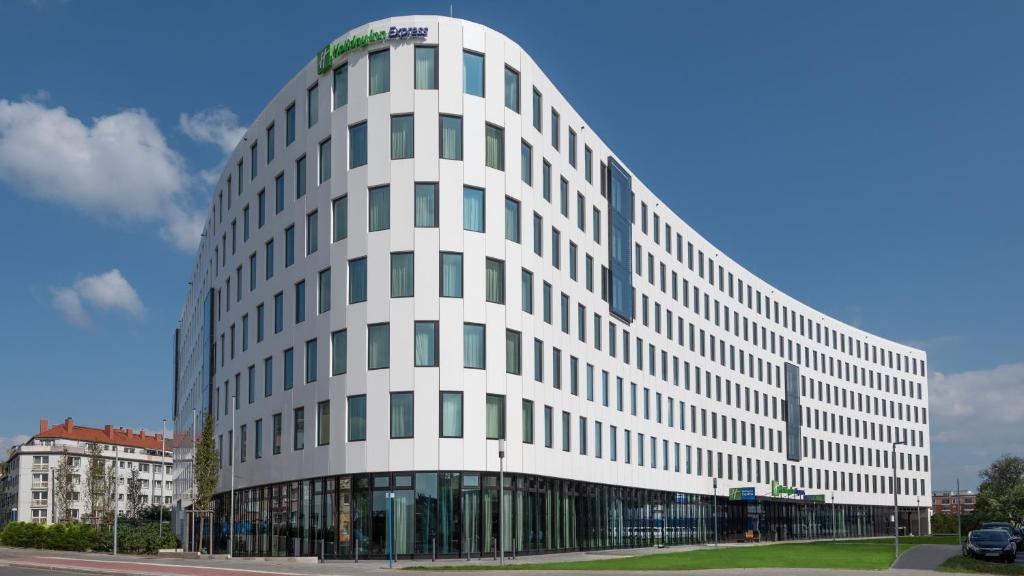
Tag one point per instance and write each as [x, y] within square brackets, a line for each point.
[117, 477]
[231, 519]
[163, 470]
[895, 497]
[714, 484]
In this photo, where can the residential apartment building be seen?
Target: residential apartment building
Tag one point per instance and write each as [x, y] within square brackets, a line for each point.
[947, 501]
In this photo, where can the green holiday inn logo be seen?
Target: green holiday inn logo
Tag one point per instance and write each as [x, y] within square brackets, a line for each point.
[328, 54]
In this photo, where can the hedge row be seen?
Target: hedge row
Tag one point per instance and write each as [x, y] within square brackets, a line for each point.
[142, 538]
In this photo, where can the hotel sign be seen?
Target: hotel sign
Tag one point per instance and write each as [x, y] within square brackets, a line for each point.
[326, 56]
[745, 494]
[781, 490]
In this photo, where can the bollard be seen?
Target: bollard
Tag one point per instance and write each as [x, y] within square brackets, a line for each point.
[322, 551]
[433, 550]
[494, 547]
[513, 548]
[357, 549]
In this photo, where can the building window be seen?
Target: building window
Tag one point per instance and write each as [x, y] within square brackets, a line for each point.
[425, 353]
[357, 418]
[300, 301]
[289, 246]
[312, 231]
[401, 274]
[380, 208]
[588, 164]
[341, 86]
[474, 346]
[278, 312]
[259, 438]
[401, 415]
[511, 89]
[323, 291]
[495, 417]
[451, 137]
[323, 423]
[380, 72]
[451, 414]
[495, 274]
[426, 208]
[325, 166]
[276, 442]
[357, 145]
[526, 163]
[279, 193]
[572, 147]
[527, 421]
[402, 136]
[339, 352]
[494, 147]
[549, 424]
[538, 110]
[312, 105]
[299, 429]
[473, 209]
[289, 124]
[527, 291]
[513, 352]
[253, 156]
[271, 141]
[566, 432]
[451, 275]
[426, 68]
[268, 376]
[511, 219]
[555, 128]
[311, 361]
[261, 201]
[357, 280]
[378, 349]
[339, 210]
[473, 73]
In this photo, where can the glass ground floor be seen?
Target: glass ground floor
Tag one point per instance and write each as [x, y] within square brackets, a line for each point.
[459, 514]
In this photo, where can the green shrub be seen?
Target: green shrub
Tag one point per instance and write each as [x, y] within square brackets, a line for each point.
[77, 537]
[138, 538]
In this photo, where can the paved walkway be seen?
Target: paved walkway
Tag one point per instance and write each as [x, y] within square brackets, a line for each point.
[926, 556]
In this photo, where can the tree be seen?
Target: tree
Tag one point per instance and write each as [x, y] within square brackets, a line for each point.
[136, 500]
[99, 486]
[1001, 494]
[63, 489]
[206, 473]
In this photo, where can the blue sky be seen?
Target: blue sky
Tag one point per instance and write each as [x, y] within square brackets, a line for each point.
[865, 157]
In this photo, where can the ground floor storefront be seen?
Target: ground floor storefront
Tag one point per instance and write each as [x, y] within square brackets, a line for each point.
[460, 514]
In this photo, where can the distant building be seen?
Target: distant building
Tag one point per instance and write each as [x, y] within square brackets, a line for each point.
[26, 488]
[945, 501]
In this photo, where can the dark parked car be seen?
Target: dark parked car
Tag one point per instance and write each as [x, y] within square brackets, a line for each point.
[993, 544]
[1015, 533]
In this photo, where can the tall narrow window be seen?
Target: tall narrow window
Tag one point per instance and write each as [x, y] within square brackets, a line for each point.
[300, 168]
[300, 302]
[511, 219]
[425, 206]
[380, 72]
[289, 368]
[341, 85]
[451, 275]
[313, 105]
[339, 352]
[289, 124]
[401, 136]
[511, 89]
[555, 128]
[513, 352]
[279, 193]
[357, 145]
[380, 208]
[451, 137]
[473, 209]
[495, 417]
[474, 347]
[588, 164]
[325, 164]
[378, 346]
[299, 429]
[271, 142]
[549, 425]
[451, 414]
[323, 423]
[538, 110]
[495, 273]
[276, 443]
[356, 418]
[311, 359]
[526, 163]
[473, 73]
[546, 180]
[339, 210]
[426, 67]
[259, 439]
[357, 280]
[289, 246]
[401, 274]
[278, 312]
[425, 353]
[401, 414]
[572, 147]
[494, 147]
[312, 232]
[527, 291]
[527, 423]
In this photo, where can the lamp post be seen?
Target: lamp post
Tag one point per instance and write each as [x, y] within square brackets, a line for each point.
[501, 501]
[231, 518]
[959, 530]
[833, 516]
[918, 515]
[117, 478]
[714, 484]
[895, 497]
[195, 446]
[163, 469]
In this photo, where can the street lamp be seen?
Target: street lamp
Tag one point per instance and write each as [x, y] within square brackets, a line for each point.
[714, 484]
[501, 501]
[117, 478]
[833, 516]
[231, 519]
[895, 498]
[918, 515]
[959, 530]
[163, 469]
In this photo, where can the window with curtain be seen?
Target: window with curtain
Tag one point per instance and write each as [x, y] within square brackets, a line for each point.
[451, 414]
[494, 147]
[495, 417]
[401, 274]
[339, 211]
[473, 73]
[473, 209]
[357, 145]
[378, 348]
[526, 163]
[380, 72]
[425, 353]
[299, 428]
[538, 110]
[495, 273]
[356, 418]
[339, 352]
[357, 280]
[313, 104]
[425, 205]
[511, 219]
[401, 136]
[323, 423]
[380, 208]
[300, 170]
[312, 232]
[325, 163]
[401, 414]
[426, 67]
[474, 346]
[527, 421]
[511, 89]
[341, 85]
[513, 352]
[527, 291]
[311, 360]
[451, 137]
[451, 275]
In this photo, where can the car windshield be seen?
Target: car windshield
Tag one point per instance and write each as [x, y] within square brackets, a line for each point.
[990, 536]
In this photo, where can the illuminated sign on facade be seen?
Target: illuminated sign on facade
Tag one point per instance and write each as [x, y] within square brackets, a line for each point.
[326, 56]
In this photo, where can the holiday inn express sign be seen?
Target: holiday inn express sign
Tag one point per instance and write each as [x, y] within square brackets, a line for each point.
[326, 56]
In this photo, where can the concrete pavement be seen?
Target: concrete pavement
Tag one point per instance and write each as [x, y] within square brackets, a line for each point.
[926, 556]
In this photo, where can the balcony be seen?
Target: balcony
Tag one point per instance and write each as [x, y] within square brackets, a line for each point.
[37, 467]
[41, 485]
[40, 504]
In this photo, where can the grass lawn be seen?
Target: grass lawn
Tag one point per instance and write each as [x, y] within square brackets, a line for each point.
[961, 564]
[874, 554]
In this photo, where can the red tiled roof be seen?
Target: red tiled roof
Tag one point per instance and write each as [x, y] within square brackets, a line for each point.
[106, 435]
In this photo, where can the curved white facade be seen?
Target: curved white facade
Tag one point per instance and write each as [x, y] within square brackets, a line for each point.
[706, 349]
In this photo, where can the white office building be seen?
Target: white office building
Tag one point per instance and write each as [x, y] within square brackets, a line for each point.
[420, 249]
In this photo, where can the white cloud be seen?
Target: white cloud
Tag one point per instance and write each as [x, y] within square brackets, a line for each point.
[106, 291]
[216, 126]
[115, 166]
